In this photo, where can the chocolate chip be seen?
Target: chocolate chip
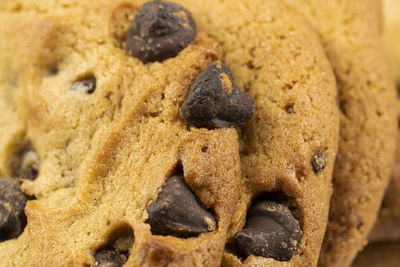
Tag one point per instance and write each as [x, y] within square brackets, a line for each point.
[319, 162]
[29, 166]
[86, 86]
[108, 258]
[215, 101]
[177, 211]
[204, 148]
[116, 250]
[271, 231]
[12, 204]
[159, 31]
[289, 109]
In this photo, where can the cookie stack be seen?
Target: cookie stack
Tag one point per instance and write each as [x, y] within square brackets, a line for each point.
[192, 133]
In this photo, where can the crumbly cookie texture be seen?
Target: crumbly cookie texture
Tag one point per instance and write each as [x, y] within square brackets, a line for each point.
[108, 134]
[350, 32]
[379, 254]
[387, 225]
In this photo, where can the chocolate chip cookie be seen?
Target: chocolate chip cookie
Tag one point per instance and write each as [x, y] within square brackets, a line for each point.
[166, 140]
[350, 32]
[387, 225]
[278, 146]
[110, 138]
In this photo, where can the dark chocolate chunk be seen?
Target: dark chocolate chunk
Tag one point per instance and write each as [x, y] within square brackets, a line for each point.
[12, 205]
[177, 211]
[271, 231]
[108, 258]
[214, 101]
[159, 31]
[86, 86]
[319, 162]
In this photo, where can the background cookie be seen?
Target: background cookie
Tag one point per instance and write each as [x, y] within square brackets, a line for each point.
[107, 147]
[379, 254]
[350, 32]
[387, 225]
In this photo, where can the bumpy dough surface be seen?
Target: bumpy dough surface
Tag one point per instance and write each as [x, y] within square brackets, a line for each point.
[387, 225]
[104, 156]
[350, 32]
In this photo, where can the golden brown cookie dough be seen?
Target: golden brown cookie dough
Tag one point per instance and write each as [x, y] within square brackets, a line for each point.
[379, 255]
[387, 225]
[106, 150]
[350, 32]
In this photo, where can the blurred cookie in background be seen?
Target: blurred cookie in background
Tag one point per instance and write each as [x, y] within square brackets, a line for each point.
[387, 226]
[379, 255]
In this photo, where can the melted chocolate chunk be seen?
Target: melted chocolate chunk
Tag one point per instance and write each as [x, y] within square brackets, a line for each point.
[271, 231]
[214, 101]
[319, 162]
[159, 31]
[12, 205]
[108, 258]
[178, 212]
